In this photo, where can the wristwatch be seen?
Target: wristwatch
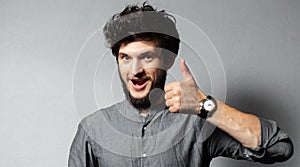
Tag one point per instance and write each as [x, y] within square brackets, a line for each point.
[207, 105]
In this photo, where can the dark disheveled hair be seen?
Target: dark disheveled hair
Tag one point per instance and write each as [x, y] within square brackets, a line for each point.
[136, 23]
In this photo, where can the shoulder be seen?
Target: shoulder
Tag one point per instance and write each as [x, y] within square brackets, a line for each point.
[96, 119]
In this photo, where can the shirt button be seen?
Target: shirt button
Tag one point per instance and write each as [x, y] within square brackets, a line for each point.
[144, 155]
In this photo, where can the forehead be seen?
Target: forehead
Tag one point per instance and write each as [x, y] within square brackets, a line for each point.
[138, 48]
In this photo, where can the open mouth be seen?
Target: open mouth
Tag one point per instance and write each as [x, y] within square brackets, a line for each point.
[139, 84]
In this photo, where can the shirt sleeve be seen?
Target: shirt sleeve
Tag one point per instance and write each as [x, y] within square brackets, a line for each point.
[275, 145]
[81, 153]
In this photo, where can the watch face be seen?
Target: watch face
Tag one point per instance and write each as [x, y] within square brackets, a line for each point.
[209, 105]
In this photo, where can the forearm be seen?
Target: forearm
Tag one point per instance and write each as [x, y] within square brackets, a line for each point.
[187, 97]
[242, 126]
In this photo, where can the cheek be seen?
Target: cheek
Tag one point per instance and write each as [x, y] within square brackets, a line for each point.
[159, 65]
[154, 73]
[122, 72]
[160, 74]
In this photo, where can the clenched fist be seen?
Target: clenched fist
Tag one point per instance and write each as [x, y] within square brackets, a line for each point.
[184, 96]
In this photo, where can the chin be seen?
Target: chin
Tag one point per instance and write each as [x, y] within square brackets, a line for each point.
[139, 95]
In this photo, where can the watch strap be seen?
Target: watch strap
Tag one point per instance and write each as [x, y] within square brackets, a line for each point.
[202, 112]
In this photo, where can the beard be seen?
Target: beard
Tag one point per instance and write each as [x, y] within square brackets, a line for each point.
[145, 102]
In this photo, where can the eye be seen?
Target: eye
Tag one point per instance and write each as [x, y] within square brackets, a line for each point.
[125, 58]
[147, 57]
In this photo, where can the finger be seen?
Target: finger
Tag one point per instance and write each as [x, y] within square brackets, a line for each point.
[169, 103]
[172, 93]
[168, 87]
[171, 86]
[175, 108]
[173, 101]
[186, 73]
[172, 109]
[168, 95]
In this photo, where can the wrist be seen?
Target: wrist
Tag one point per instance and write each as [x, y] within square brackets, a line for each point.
[201, 95]
[207, 106]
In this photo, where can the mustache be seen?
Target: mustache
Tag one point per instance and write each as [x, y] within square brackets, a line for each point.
[135, 79]
[138, 76]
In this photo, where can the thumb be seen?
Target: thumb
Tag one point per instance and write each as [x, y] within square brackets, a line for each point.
[187, 75]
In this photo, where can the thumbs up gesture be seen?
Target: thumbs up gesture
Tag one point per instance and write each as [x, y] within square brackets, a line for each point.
[184, 96]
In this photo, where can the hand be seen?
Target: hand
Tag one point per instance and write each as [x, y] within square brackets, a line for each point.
[184, 96]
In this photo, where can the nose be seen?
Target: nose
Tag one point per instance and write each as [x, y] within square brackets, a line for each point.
[136, 67]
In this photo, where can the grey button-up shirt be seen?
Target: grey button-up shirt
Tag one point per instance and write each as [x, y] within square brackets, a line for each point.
[120, 136]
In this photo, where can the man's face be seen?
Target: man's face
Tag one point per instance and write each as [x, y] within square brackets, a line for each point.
[141, 68]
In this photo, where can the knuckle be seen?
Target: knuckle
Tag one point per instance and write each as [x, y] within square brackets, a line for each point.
[168, 103]
[177, 106]
[166, 96]
[176, 92]
[178, 99]
[169, 95]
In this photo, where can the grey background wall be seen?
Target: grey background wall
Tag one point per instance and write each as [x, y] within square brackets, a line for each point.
[258, 42]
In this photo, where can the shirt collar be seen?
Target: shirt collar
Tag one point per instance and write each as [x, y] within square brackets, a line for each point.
[129, 111]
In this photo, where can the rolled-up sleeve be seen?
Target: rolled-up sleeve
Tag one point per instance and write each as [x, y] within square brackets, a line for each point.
[275, 145]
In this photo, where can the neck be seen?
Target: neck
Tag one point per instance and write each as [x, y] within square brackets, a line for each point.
[144, 113]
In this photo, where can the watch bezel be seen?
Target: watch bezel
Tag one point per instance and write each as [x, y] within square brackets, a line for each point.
[203, 112]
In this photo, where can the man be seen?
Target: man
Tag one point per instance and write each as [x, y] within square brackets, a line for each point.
[160, 125]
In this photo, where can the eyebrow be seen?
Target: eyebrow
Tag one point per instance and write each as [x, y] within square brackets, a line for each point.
[122, 54]
[141, 54]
